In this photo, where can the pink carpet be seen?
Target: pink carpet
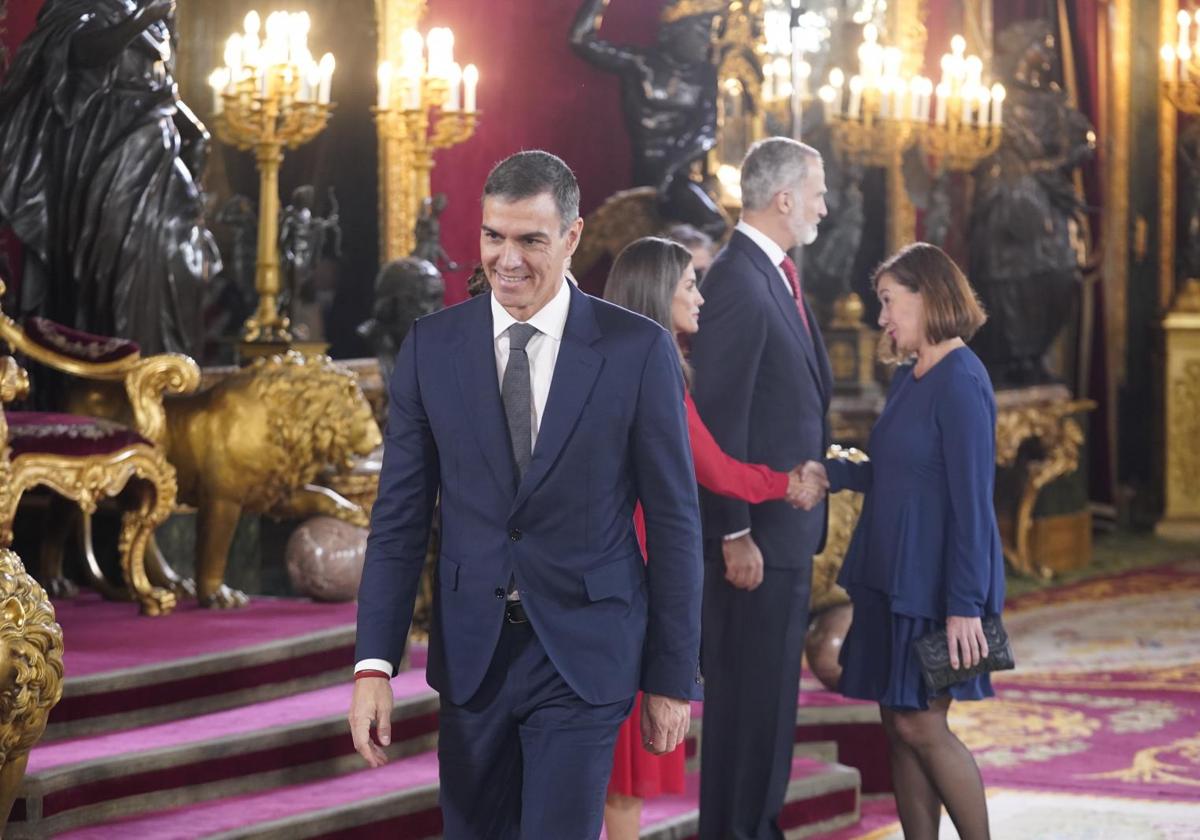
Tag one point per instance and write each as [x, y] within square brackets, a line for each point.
[298, 708]
[242, 811]
[102, 636]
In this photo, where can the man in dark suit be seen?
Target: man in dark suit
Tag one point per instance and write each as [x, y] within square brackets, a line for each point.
[762, 387]
[541, 415]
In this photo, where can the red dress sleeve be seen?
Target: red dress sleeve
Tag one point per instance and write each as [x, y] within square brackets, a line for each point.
[718, 473]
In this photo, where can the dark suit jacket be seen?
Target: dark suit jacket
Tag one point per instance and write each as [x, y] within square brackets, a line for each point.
[762, 387]
[613, 431]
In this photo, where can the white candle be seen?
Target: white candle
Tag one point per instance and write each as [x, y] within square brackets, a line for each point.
[943, 93]
[856, 89]
[901, 93]
[412, 50]
[251, 23]
[327, 65]
[384, 76]
[470, 80]
[827, 97]
[218, 78]
[1169, 68]
[998, 94]
[233, 52]
[412, 99]
[973, 67]
[837, 81]
[1185, 57]
[1185, 21]
[985, 107]
[885, 97]
[452, 98]
[1196, 45]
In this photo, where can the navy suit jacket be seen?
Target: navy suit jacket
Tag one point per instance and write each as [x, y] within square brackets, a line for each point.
[762, 387]
[613, 431]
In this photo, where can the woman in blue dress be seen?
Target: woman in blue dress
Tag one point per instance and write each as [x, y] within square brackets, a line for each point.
[926, 552]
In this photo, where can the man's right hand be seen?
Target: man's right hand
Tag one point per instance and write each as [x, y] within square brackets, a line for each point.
[371, 704]
[743, 562]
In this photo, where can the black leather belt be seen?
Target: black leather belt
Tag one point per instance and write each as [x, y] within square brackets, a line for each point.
[514, 613]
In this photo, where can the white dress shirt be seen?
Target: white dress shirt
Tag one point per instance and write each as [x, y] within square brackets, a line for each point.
[542, 351]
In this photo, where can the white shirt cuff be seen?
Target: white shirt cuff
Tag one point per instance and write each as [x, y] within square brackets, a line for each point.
[375, 665]
[736, 534]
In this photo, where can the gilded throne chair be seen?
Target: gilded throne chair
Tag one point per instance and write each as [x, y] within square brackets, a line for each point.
[88, 459]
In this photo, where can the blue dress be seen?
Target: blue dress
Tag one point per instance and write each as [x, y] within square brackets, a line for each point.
[926, 545]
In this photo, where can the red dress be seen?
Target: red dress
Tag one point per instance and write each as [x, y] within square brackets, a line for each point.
[635, 771]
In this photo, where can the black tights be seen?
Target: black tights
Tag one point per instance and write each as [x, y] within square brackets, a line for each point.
[931, 768]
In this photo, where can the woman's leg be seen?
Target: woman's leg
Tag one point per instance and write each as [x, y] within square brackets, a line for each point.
[917, 800]
[948, 764]
[622, 816]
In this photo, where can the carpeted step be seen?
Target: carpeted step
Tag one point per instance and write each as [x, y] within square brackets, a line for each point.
[124, 670]
[278, 742]
[400, 801]
[824, 717]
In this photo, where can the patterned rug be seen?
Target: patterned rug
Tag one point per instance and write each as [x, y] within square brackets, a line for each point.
[1097, 732]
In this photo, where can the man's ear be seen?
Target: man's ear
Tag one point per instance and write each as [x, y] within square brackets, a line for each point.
[783, 201]
[573, 234]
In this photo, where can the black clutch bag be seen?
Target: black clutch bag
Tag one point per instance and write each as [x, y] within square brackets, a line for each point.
[935, 658]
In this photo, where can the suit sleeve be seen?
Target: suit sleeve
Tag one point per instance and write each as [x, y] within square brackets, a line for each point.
[725, 476]
[666, 487]
[845, 474]
[726, 352]
[400, 519]
[967, 425]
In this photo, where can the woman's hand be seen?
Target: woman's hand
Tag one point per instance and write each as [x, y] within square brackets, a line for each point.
[965, 641]
[807, 485]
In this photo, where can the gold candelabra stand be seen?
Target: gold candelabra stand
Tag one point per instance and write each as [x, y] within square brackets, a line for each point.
[870, 141]
[410, 136]
[1184, 95]
[266, 115]
[958, 146]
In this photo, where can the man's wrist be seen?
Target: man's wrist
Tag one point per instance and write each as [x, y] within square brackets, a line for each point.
[370, 673]
[736, 535]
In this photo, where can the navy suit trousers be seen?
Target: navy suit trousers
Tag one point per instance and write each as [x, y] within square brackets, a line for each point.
[525, 757]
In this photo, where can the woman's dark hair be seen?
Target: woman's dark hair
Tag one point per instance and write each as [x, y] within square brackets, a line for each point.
[643, 279]
[952, 309]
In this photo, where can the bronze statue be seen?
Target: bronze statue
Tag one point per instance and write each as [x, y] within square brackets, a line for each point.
[669, 94]
[99, 164]
[829, 261]
[303, 238]
[428, 231]
[1027, 220]
[31, 672]
[405, 289]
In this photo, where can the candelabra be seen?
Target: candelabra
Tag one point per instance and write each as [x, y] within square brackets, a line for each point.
[269, 95]
[884, 113]
[419, 112]
[1181, 67]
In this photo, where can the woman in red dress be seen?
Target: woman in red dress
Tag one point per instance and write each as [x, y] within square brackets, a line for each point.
[655, 278]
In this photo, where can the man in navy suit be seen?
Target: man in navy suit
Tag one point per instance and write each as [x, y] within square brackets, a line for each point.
[762, 387]
[541, 415]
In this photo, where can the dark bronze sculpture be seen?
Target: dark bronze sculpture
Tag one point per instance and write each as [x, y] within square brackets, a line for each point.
[99, 164]
[303, 238]
[428, 233]
[669, 94]
[405, 289]
[1027, 220]
[829, 262]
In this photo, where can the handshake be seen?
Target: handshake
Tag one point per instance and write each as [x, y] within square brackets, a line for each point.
[807, 485]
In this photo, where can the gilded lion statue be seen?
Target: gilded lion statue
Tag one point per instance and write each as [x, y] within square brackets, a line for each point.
[31, 672]
[254, 443]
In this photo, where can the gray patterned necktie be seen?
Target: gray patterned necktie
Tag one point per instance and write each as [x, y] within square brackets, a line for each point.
[516, 392]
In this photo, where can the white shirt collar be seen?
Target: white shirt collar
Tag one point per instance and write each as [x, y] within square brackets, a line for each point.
[769, 246]
[550, 320]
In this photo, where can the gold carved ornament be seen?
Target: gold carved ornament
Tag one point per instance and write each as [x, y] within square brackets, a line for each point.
[255, 442]
[1184, 463]
[681, 9]
[31, 672]
[1060, 437]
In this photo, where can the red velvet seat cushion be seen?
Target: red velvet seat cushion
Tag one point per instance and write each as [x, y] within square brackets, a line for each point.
[47, 433]
[77, 344]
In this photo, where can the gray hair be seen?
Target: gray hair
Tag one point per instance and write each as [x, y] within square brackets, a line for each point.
[772, 165]
[529, 174]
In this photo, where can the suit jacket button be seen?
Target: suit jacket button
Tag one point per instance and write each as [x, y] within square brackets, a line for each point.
[515, 534]
[499, 592]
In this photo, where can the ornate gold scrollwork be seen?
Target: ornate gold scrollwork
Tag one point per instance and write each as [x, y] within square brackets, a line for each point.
[1060, 436]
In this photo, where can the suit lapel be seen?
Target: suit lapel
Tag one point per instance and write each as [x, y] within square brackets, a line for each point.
[475, 366]
[575, 374]
[786, 304]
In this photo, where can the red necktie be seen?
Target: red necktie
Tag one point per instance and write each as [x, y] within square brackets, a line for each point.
[793, 278]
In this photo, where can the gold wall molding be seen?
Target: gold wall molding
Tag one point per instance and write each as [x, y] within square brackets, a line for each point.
[1182, 416]
[911, 35]
[1168, 137]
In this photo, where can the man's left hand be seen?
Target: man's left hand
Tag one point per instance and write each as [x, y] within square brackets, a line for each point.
[665, 722]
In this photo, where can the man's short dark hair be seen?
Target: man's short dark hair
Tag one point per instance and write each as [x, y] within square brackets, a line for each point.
[528, 174]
